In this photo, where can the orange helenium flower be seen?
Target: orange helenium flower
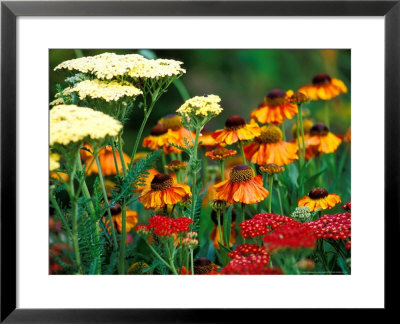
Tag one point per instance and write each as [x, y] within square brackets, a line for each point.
[241, 187]
[275, 108]
[319, 198]
[321, 140]
[163, 191]
[269, 148]
[324, 87]
[207, 140]
[107, 162]
[235, 130]
[131, 220]
[160, 137]
[181, 134]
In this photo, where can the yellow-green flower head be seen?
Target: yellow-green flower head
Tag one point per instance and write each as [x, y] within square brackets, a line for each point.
[103, 66]
[154, 69]
[109, 91]
[66, 93]
[54, 161]
[206, 106]
[71, 124]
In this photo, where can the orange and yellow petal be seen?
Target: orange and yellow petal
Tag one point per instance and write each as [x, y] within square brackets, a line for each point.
[230, 136]
[131, 220]
[106, 159]
[281, 153]
[327, 202]
[324, 144]
[274, 115]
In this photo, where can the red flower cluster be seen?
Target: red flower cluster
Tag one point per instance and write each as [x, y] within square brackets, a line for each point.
[261, 224]
[348, 245]
[236, 268]
[247, 259]
[337, 226]
[347, 206]
[165, 226]
[290, 235]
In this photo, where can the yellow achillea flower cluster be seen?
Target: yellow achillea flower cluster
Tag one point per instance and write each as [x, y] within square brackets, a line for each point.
[153, 69]
[60, 97]
[109, 91]
[111, 65]
[54, 161]
[70, 124]
[206, 106]
[103, 66]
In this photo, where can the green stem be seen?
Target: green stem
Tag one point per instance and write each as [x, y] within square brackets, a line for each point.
[270, 184]
[123, 241]
[242, 152]
[222, 170]
[191, 261]
[59, 213]
[279, 198]
[121, 154]
[103, 187]
[115, 157]
[139, 136]
[75, 234]
[326, 110]
[194, 175]
[303, 147]
[219, 226]
[92, 211]
[157, 255]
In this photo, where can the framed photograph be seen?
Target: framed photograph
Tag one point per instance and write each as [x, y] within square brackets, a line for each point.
[197, 155]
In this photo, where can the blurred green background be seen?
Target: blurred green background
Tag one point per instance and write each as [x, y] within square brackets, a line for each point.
[240, 77]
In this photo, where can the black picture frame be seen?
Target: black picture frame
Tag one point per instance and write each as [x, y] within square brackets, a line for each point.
[10, 10]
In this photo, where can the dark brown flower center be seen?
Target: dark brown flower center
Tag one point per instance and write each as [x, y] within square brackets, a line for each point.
[235, 122]
[159, 130]
[161, 181]
[115, 209]
[319, 129]
[270, 134]
[275, 98]
[318, 193]
[202, 265]
[321, 79]
[241, 173]
[171, 121]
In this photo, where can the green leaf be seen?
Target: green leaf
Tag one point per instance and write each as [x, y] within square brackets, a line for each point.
[310, 182]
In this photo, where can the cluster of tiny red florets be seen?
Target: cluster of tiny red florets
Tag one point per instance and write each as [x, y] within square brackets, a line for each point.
[347, 206]
[290, 235]
[165, 226]
[237, 268]
[247, 259]
[262, 224]
[337, 226]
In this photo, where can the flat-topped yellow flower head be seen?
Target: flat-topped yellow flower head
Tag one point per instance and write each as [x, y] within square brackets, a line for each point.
[103, 66]
[155, 69]
[72, 124]
[54, 161]
[108, 91]
[202, 106]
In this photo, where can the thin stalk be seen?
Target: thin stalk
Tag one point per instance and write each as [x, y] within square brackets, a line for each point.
[326, 110]
[303, 147]
[171, 260]
[121, 154]
[279, 198]
[115, 158]
[270, 184]
[123, 241]
[103, 187]
[219, 226]
[157, 255]
[194, 176]
[75, 235]
[59, 213]
[139, 136]
[191, 261]
[222, 170]
[242, 152]
[205, 168]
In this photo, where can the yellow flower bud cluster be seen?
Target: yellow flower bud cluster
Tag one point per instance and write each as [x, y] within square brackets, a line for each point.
[54, 161]
[111, 65]
[206, 106]
[70, 124]
[109, 91]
